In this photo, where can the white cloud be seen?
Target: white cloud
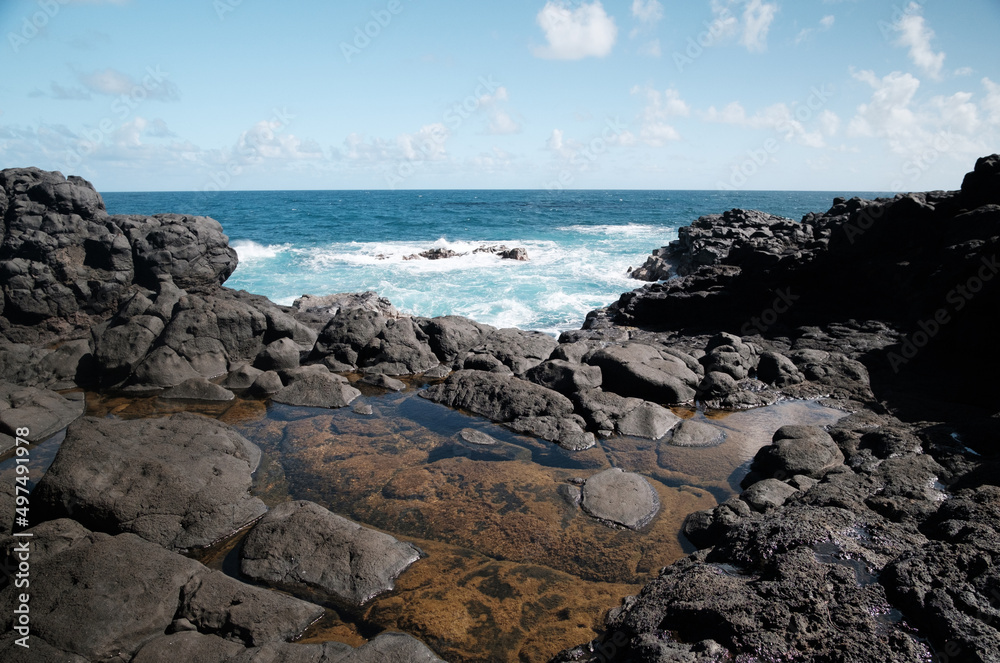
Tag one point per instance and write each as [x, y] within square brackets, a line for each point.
[825, 24]
[573, 34]
[114, 83]
[265, 141]
[500, 122]
[757, 19]
[752, 26]
[911, 127]
[660, 108]
[429, 143]
[964, 71]
[651, 49]
[647, 11]
[991, 103]
[779, 118]
[917, 36]
[829, 122]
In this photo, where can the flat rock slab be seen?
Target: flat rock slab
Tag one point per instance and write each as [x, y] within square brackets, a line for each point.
[303, 544]
[649, 421]
[767, 494]
[697, 434]
[194, 647]
[104, 597]
[44, 413]
[181, 481]
[622, 498]
[198, 389]
[317, 390]
[473, 436]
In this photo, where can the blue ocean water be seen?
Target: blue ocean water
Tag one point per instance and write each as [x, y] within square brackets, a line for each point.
[580, 243]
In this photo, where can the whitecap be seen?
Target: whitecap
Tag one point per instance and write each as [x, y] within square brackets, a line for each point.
[247, 249]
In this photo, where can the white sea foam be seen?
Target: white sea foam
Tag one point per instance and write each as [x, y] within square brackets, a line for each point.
[248, 249]
[620, 230]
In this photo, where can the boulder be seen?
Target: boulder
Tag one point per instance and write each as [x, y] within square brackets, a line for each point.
[278, 355]
[805, 450]
[621, 498]
[44, 413]
[384, 381]
[198, 389]
[317, 390]
[690, 433]
[639, 371]
[767, 494]
[242, 378]
[649, 421]
[501, 398]
[564, 376]
[78, 612]
[180, 481]
[777, 369]
[451, 337]
[301, 544]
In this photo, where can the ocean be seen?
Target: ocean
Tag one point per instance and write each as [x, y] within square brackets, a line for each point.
[580, 244]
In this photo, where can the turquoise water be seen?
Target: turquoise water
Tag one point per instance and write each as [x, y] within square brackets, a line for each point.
[580, 243]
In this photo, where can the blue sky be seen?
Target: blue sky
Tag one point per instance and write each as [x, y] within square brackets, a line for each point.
[650, 94]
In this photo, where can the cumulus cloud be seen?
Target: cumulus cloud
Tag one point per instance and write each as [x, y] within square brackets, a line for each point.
[429, 143]
[757, 19]
[111, 82]
[752, 26]
[576, 33]
[661, 107]
[500, 122]
[825, 24]
[647, 11]
[915, 35]
[780, 118]
[911, 126]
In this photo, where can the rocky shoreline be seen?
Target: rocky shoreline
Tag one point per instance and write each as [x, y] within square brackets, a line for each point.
[873, 540]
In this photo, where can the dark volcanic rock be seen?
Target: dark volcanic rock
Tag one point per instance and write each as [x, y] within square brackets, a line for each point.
[78, 611]
[565, 377]
[805, 450]
[365, 339]
[198, 389]
[697, 434]
[502, 398]
[42, 412]
[180, 481]
[303, 544]
[621, 498]
[639, 370]
[316, 390]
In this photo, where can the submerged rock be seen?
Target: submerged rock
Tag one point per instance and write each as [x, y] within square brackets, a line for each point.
[621, 498]
[302, 544]
[691, 433]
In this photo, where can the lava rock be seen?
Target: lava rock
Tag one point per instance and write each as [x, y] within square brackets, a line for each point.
[180, 481]
[301, 544]
[622, 498]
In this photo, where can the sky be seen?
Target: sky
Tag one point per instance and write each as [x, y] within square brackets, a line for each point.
[208, 95]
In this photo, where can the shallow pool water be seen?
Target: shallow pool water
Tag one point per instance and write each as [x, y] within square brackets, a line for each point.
[513, 570]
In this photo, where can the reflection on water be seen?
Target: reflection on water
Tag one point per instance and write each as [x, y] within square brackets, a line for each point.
[514, 571]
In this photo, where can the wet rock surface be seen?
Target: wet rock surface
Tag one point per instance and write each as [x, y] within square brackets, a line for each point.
[620, 498]
[301, 543]
[180, 481]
